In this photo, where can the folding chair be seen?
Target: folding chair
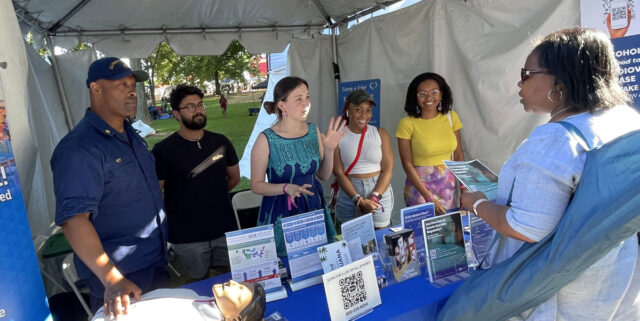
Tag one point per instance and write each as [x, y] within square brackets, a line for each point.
[70, 275]
[244, 200]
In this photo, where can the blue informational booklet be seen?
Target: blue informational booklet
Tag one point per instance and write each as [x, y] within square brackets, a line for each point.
[411, 218]
[303, 234]
[444, 240]
[477, 178]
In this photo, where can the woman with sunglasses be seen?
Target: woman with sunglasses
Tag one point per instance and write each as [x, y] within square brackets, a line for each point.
[429, 135]
[572, 75]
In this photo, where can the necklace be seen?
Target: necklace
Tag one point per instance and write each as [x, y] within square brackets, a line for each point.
[559, 111]
[197, 140]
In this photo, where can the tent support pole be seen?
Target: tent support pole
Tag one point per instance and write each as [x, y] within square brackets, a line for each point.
[61, 91]
[334, 51]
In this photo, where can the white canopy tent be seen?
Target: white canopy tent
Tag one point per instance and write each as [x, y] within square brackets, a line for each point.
[477, 45]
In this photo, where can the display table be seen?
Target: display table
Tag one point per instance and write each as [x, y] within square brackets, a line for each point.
[413, 299]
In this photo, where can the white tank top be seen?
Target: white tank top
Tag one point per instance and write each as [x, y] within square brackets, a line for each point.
[370, 156]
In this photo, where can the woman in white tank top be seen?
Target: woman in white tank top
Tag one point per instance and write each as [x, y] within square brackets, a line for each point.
[366, 188]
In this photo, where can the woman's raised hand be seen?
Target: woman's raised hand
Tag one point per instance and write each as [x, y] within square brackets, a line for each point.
[334, 134]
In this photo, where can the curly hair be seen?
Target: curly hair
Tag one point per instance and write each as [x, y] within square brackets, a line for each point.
[182, 91]
[411, 101]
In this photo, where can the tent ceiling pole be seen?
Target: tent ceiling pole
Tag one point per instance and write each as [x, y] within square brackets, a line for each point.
[68, 16]
[324, 13]
[61, 91]
[355, 16]
[198, 31]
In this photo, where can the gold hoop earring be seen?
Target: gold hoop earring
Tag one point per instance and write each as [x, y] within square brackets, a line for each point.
[549, 96]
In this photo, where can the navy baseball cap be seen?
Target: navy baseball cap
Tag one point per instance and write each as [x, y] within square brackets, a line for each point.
[112, 68]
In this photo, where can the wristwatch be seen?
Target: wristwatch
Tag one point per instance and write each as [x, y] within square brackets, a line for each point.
[377, 195]
[475, 205]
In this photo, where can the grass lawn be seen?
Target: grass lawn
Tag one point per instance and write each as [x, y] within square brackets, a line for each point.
[237, 126]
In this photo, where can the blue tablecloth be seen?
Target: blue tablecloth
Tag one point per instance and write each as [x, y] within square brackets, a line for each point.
[413, 299]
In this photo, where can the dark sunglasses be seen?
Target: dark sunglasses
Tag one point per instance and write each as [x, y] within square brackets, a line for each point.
[525, 73]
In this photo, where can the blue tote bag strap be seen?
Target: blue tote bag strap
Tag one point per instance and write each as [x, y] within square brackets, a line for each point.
[577, 134]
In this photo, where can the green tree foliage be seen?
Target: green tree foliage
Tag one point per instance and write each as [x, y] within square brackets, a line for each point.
[167, 67]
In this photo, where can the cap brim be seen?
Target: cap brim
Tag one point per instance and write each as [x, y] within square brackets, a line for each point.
[140, 75]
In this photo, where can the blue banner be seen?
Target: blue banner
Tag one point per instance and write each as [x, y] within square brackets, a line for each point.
[371, 86]
[628, 53]
[22, 295]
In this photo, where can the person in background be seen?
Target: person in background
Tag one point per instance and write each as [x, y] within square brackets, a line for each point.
[223, 105]
[366, 189]
[572, 75]
[108, 201]
[197, 169]
[429, 135]
[293, 154]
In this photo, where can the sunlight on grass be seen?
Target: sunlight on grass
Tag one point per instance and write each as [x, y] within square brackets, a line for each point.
[237, 126]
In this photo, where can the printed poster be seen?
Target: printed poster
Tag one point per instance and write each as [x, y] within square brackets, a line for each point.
[303, 234]
[22, 296]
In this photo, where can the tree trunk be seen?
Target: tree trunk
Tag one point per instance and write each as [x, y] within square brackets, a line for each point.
[143, 110]
[217, 79]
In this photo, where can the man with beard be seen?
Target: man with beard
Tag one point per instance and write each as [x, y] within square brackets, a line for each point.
[197, 169]
[108, 201]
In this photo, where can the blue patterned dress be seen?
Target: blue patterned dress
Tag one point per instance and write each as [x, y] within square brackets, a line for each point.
[294, 161]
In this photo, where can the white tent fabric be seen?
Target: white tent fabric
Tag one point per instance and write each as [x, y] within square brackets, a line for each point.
[478, 47]
[203, 27]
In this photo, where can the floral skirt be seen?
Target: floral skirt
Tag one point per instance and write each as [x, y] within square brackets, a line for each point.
[438, 180]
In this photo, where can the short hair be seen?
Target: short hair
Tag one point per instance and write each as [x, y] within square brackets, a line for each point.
[181, 91]
[411, 101]
[280, 93]
[583, 61]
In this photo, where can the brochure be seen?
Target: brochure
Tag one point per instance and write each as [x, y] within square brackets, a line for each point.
[334, 255]
[253, 258]
[444, 239]
[475, 176]
[302, 238]
[361, 240]
[362, 228]
[402, 250]
[351, 290]
[411, 218]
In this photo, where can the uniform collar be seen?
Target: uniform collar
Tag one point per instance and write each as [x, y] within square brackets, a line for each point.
[102, 126]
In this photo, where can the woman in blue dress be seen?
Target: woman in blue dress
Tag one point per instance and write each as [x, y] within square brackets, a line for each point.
[293, 154]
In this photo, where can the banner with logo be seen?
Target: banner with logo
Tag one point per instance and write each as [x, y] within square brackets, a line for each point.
[619, 20]
[22, 295]
[371, 86]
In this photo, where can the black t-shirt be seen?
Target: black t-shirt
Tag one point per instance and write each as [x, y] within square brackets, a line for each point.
[196, 196]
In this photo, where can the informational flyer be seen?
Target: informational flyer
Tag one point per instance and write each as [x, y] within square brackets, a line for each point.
[475, 176]
[22, 296]
[334, 255]
[253, 257]
[446, 254]
[619, 20]
[302, 238]
[352, 290]
[411, 218]
[361, 228]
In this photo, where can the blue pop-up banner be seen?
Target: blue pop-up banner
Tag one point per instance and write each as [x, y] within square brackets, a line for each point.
[22, 295]
[371, 86]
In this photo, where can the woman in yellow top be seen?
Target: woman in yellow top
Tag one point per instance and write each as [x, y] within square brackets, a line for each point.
[429, 135]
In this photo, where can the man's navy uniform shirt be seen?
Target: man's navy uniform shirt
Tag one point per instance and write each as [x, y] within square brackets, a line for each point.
[112, 176]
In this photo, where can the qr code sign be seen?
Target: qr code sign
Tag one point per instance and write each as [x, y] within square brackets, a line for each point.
[619, 13]
[353, 290]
